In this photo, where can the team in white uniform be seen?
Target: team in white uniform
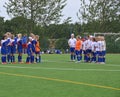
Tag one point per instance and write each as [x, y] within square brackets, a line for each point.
[93, 48]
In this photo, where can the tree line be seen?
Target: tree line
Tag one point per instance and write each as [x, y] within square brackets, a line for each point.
[43, 17]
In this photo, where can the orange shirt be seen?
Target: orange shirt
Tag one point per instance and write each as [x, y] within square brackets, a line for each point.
[37, 46]
[78, 45]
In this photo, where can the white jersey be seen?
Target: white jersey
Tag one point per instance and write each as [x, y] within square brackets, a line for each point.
[72, 42]
[99, 46]
[89, 42]
[103, 46]
[84, 45]
[93, 46]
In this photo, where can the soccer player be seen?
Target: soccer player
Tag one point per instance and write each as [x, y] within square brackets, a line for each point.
[4, 43]
[37, 50]
[99, 49]
[33, 47]
[93, 45]
[9, 47]
[29, 51]
[13, 49]
[88, 48]
[84, 48]
[72, 43]
[19, 47]
[78, 48]
[103, 49]
[24, 43]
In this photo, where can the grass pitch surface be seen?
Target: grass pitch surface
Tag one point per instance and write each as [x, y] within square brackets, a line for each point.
[56, 76]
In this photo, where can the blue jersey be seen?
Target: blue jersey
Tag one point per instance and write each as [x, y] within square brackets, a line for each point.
[9, 47]
[19, 45]
[29, 48]
[13, 46]
[15, 40]
[33, 45]
[4, 44]
[24, 39]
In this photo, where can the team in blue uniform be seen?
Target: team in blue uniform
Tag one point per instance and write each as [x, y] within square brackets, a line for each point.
[19, 48]
[11, 45]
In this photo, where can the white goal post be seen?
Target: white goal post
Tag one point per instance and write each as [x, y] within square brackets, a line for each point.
[106, 34]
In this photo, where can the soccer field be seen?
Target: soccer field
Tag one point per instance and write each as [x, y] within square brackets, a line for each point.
[56, 76]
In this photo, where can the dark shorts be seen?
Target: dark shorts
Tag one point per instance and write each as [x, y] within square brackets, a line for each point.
[19, 50]
[78, 52]
[72, 49]
[37, 52]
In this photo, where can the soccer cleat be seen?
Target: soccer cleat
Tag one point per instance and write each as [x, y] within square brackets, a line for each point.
[28, 63]
[4, 63]
[13, 62]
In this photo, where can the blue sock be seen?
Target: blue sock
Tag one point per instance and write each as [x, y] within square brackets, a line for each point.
[98, 59]
[80, 57]
[88, 58]
[2, 59]
[85, 57]
[95, 59]
[74, 57]
[13, 58]
[5, 59]
[103, 59]
[28, 59]
[36, 60]
[92, 59]
[39, 59]
[32, 59]
[8, 58]
[19, 59]
[71, 57]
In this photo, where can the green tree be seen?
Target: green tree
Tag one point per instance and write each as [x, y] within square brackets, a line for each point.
[102, 11]
[42, 12]
[18, 25]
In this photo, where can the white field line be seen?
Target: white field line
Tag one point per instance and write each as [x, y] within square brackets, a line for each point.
[82, 63]
[60, 69]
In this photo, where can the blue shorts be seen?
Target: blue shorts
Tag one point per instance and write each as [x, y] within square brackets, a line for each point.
[9, 50]
[84, 51]
[77, 52]
[29, 53]
[3, 51]
[13, 50]
[72, 49]
[33, 50]
[88, 51]
[37, 52]
[94, 54]
[99, 53]
[19, 50]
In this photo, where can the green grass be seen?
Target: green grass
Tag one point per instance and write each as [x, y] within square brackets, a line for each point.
[23, 80]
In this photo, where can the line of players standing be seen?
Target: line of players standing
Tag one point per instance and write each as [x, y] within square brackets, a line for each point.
[92, 48]
[11, 44]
